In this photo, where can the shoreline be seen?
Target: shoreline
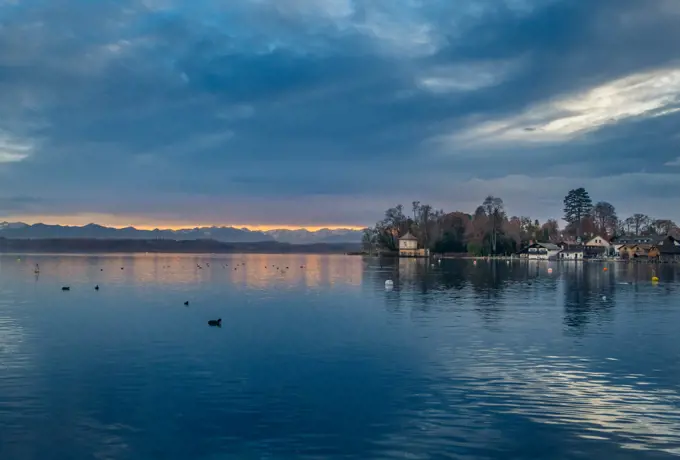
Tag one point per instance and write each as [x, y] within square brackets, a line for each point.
[520, 259]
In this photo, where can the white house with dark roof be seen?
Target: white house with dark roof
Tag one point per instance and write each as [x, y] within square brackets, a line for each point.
[541, 251]
[576, 252]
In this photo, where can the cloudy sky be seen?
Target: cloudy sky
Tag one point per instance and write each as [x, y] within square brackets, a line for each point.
[325, 112]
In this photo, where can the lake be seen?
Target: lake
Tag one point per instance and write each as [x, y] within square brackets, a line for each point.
[315, 359]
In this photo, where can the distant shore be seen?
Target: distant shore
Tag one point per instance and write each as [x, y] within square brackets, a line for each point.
[84, 246]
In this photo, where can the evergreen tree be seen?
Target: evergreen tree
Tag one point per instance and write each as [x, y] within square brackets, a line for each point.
[577, 206]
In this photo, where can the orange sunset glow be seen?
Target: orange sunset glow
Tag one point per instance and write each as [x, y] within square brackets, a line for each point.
[142, 223]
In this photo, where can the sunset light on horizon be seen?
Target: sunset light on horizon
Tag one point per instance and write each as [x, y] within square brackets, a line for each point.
[150, 224]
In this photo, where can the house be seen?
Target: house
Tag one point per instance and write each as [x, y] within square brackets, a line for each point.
[540, 251]
[408, 247]
[662, 248]
[575, 252]
[635, 251]
[666, 249]
[566, 244]
[598, 242]
[624, 242]
[599, 246]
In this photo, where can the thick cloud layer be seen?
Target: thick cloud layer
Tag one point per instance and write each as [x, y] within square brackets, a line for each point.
[313, 112]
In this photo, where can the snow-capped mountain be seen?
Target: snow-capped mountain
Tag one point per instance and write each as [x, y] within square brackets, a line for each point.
[224, 234]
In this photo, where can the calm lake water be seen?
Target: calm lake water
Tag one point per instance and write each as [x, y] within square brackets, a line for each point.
[462, 361]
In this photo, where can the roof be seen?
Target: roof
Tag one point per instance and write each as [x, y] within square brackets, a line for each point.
[635, 240]
[665, 238]
[548, 246]
[602, 237]
[574, 249]
[408, 236]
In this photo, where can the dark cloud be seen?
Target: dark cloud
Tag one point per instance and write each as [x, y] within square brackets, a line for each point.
[328, 110]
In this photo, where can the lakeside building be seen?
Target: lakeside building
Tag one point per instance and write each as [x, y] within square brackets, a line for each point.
[408, 247]
[540, 251]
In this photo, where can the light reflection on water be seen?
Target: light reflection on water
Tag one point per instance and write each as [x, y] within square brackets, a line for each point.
[317, 360]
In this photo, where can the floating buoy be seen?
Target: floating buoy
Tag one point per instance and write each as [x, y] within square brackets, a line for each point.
[605, 269]
[474, 262]
[655, 279]
[604, 297]
[389, 284]
[550, 270]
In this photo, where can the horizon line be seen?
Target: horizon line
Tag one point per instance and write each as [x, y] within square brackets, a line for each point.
[184, 226]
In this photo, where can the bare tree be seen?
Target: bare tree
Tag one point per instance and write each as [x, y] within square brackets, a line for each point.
[664, 226]
[639, 223]
[605, 217]
[369, 240]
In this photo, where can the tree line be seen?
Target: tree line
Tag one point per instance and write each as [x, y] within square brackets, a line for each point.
[489, 230]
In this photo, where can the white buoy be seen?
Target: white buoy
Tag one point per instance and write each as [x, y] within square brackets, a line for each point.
[432, 265]
[389, 284]
[604, 297]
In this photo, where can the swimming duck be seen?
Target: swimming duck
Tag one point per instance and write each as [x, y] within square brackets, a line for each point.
[65, 288]
[215, 322]
[186, 303]
[96, 288]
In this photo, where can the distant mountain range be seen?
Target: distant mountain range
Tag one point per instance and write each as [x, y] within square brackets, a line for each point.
[325, 236]
[221, 234]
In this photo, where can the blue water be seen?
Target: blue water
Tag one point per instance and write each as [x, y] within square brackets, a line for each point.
[461, 361]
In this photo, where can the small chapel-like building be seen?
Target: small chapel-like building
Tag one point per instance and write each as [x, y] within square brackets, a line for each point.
[408, 247]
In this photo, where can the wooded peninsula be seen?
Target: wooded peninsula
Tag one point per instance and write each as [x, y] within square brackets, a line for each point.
[489, 230]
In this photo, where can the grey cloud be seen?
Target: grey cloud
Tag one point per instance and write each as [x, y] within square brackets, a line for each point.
[19, 203]
[264, 100]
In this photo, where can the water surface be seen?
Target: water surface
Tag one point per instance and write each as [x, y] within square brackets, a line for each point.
[315, 359]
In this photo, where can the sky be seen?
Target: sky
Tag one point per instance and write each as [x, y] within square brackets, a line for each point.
[311, 113]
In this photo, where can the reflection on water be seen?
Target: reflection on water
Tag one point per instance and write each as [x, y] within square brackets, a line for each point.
[563, 390]
[316, 359]
[248, 270]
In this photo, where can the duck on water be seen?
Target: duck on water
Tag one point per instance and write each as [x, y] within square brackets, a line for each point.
[215, 322]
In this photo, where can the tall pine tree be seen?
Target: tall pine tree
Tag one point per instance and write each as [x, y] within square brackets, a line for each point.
[577, 206]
